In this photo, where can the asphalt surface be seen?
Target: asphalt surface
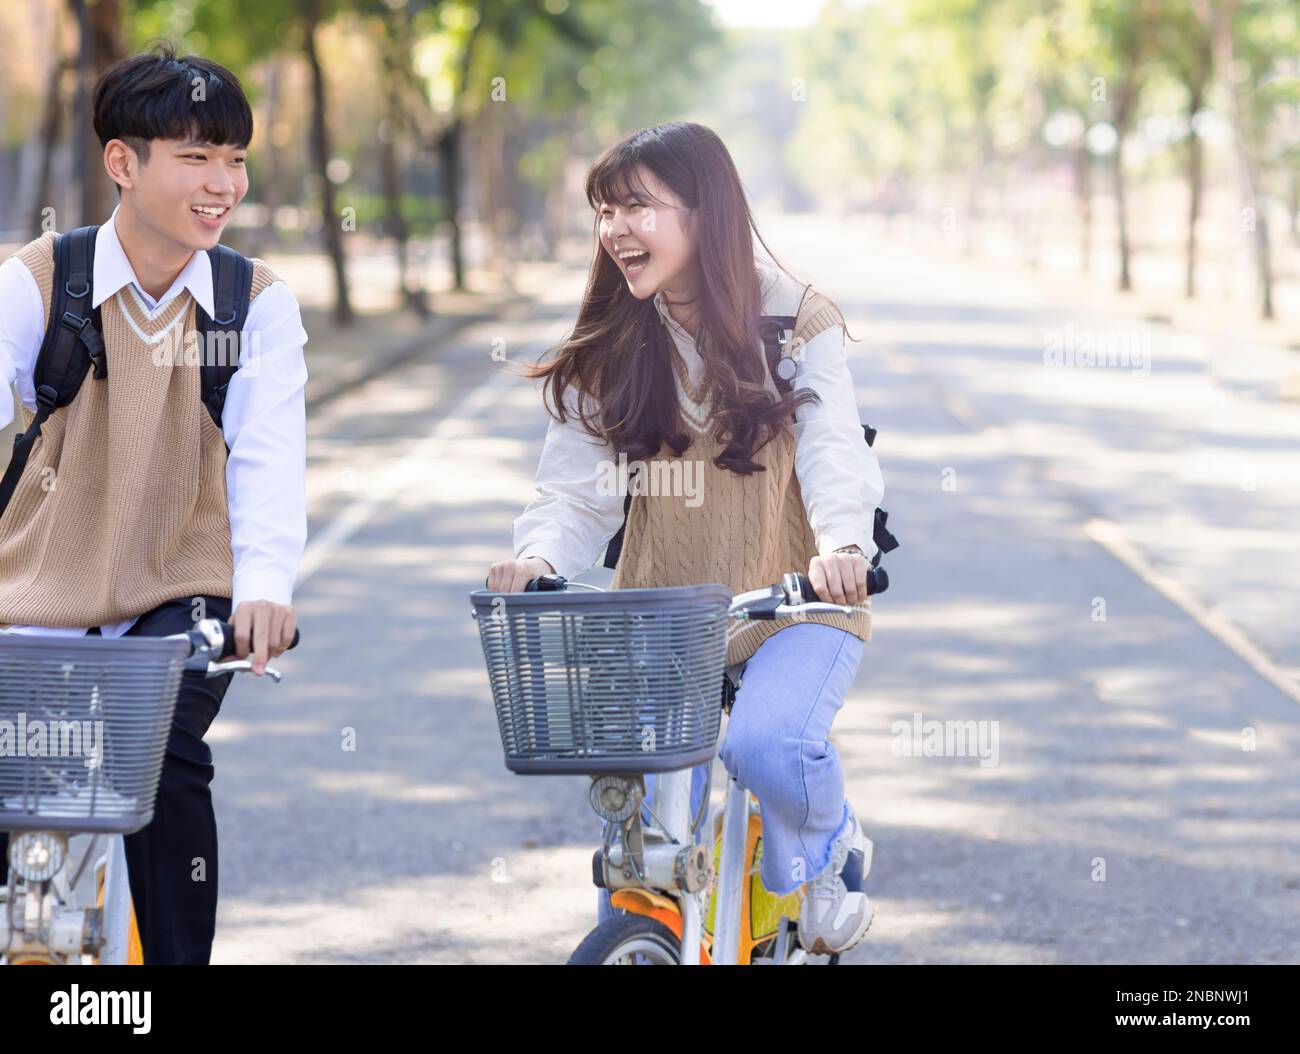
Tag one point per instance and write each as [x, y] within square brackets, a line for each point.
[1098, 568]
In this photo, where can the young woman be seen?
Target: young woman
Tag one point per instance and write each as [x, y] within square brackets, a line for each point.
[666, 364]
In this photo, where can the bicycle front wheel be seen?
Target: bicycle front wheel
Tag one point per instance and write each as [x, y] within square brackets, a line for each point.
[628, 940]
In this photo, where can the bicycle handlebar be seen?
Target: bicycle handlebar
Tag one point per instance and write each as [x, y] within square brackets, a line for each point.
[228, 640]
[212, 647]
[794, 595]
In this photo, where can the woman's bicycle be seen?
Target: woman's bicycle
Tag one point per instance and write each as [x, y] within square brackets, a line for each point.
[619, 684]
[84, 724]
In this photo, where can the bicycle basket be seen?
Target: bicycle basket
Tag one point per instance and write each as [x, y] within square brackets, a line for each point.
[84, 723]
[623, 681]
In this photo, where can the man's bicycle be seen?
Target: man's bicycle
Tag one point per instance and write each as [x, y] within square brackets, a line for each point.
[84, 724]
[619, 684]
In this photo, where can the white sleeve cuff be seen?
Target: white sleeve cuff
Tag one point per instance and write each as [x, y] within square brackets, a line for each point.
[842, 535]
[261, 584]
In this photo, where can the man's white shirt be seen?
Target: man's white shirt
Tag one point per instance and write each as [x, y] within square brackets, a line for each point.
[263, 418]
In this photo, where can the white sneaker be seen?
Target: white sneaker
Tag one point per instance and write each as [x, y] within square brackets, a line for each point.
[836, 912]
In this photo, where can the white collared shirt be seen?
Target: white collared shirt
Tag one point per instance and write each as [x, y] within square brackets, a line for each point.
[572, 519]
[263, 418]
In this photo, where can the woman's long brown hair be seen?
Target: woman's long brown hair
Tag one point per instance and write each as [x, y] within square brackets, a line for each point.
[619, 351]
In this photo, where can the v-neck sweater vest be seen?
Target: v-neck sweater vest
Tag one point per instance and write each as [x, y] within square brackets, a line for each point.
[746, 531]
[122, 505]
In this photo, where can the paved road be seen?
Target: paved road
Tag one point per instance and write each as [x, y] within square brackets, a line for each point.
[1122, 821]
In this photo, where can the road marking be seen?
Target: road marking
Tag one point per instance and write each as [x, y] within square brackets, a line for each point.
[1110, 537]
[334, 535]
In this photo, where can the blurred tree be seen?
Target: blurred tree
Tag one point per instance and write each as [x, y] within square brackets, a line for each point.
[1255, 48]
[102, 42]
[394, 29]
[1124, 39]
[51, 128]
[239, 33]
[311, 14]
[1061, 45]
[1184, 45]
[973, 38]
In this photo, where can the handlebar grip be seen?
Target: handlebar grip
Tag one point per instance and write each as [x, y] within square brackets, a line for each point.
[545, 584]
[877, 582]
[228, 633]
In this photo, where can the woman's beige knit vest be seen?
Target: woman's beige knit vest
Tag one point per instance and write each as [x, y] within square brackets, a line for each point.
[743, 531]
[122, 504]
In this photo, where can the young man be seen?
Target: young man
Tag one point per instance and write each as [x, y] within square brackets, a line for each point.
[131, 518]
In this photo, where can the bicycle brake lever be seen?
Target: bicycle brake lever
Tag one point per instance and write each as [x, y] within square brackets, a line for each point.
[216, 669]
[815, 608]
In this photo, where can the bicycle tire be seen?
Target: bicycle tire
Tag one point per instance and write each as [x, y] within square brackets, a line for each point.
[622, 936]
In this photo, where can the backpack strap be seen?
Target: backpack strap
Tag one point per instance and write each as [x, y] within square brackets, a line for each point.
[778, 333]
[812, 318]
[72, 344]
[232, 280]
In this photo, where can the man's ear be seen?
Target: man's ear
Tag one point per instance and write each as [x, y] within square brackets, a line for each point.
[121, 163]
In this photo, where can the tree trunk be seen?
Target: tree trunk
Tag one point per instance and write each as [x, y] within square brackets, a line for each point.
[449, 144]
[80, 109]
[271, 180]
[1121, 213]
[497, 199]
[1194, 182]
[51, 125]
[1247, 165]
[1293, 207]
[321, 153]
[102, 44]
[1083, 193]
[395, 64]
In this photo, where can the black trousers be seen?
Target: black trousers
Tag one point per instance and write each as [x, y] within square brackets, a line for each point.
[172, 862]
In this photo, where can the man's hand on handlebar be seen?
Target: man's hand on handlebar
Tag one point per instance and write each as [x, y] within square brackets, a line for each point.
[840, 577]
[264, 629]
[510, 576]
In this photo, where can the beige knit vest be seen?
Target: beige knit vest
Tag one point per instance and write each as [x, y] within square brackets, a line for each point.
[122, 504]
[743, 531]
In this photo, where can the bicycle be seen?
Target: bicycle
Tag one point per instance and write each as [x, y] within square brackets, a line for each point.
[59, 803]
[624, 683]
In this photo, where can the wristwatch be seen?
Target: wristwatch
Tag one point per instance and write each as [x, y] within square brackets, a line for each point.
[854, 548]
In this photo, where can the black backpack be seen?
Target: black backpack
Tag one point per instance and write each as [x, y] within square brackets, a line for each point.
[73, 342]
[774, 329]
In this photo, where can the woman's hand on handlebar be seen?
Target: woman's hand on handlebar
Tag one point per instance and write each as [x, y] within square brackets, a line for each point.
[510, 576]
[840, 578]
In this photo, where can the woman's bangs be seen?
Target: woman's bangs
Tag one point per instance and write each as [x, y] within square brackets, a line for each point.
[617, 180]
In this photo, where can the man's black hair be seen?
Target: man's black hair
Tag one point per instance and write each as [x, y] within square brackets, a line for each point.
[155, 95]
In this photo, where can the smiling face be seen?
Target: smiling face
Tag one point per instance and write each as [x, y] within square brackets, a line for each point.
[650, 238]
[185, 192]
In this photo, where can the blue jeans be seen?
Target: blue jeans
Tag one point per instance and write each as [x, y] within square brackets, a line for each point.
[776, 745]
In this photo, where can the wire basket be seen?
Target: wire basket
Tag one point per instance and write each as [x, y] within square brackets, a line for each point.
[84, 723]
[623, 681]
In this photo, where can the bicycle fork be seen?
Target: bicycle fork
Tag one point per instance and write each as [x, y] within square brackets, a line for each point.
[673, 804]
[659, 865]
[729, 892]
